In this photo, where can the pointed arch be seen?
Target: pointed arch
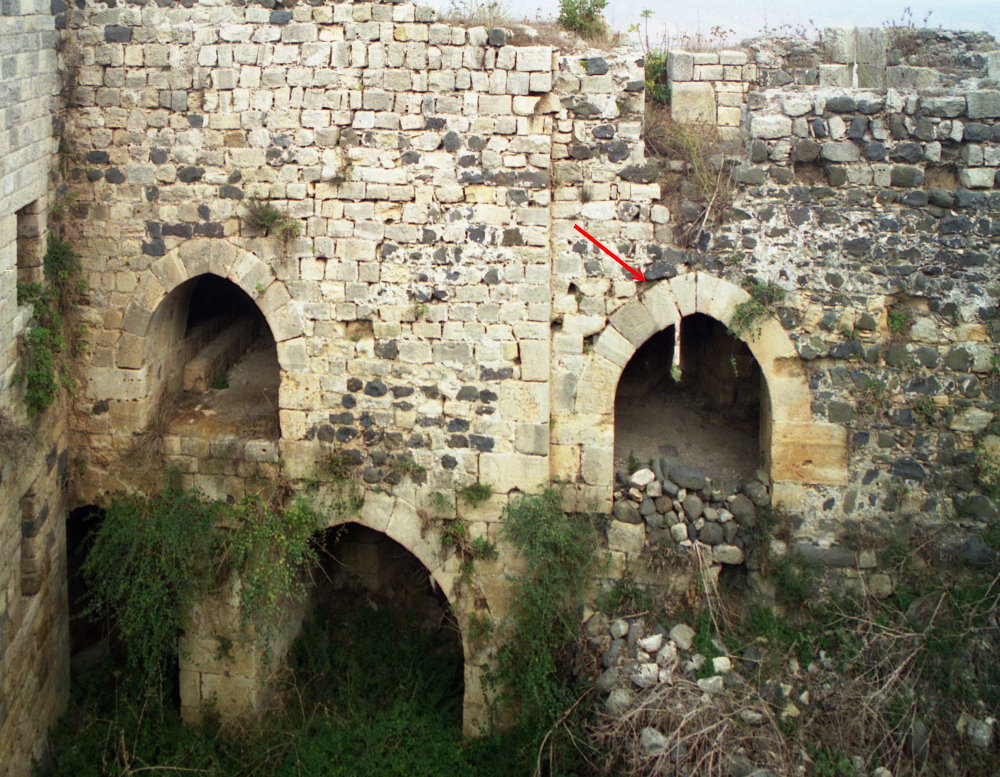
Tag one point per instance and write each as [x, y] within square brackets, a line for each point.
[199, 256]
[798, 449]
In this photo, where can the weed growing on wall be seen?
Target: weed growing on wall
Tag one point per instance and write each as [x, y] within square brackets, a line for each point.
[267, 217]
[153, 556]
[42, 347]
[750, 315]
[534, 667]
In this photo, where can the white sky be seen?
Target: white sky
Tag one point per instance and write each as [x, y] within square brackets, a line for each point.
[748, 17]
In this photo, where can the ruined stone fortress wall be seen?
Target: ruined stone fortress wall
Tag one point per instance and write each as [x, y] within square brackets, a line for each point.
[439, 303]
[34, 655]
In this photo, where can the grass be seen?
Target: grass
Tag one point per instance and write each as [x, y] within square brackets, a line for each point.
[476, 494]
[366, 697]
[267, 217]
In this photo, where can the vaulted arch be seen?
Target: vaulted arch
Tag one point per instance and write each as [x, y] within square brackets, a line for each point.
[798, 449]
[240, 684]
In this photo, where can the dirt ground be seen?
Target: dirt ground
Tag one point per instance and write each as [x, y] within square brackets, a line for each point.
[673, 422]
[248, 407]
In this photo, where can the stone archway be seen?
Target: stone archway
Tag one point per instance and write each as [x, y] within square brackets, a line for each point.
[132, 376]
[238, 683]
[797, 449]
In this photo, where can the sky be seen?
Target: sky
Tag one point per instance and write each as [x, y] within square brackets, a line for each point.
[749, 17]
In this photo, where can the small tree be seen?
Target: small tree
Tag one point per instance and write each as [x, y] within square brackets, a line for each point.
[583, 17]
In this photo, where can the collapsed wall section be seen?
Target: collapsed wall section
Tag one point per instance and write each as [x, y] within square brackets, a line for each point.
[867, 189]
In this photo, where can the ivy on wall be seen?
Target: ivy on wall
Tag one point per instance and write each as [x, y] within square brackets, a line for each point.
[42, 347]
[153, 557]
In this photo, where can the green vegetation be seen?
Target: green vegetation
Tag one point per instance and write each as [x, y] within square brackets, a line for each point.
[534, 664]
[152, 557]
[268, 217]
[988, 471]
[366, 698]
[899, 323]
[657, 85]
[42, 372]
[404, 466]
[476, 494]
[749, 316]
[583, 17]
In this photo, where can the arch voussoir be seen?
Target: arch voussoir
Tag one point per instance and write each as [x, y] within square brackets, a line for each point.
[800, 450]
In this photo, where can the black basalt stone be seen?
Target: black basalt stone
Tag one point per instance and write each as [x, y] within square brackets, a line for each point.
[190, 173]
[841, 104]
[115, 33]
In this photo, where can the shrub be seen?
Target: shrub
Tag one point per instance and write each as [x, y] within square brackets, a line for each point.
[153, 556]
[583, 17]
[534, 664]
[749, 315]
[657, 86]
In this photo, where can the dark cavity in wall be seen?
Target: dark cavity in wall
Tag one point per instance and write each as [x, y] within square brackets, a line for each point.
[219, 362]
[362, 569]
[699, 405]
[90, 636]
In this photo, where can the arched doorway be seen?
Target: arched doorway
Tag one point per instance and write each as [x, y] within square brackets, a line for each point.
[214, 362]
[797, 449]
[378, 628]
[387, 531]
[691, 395]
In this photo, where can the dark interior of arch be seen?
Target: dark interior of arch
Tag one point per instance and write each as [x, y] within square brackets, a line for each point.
[375, 609]
[89, 635]
[700, 406]
[222, 362]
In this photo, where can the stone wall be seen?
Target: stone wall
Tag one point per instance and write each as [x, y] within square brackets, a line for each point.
[439, 319]
[438, 305]
[34, 653]
[876, 209]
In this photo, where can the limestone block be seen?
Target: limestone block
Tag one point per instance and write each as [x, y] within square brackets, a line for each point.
[808, 452]
[976, 177]
[526, 402]
[770, 127]
[730, 117]
[564, 460]
[634, 322]
[659, 303]
[680, 66]
[532, 439]
[845, 151]
[509, 471]
[597, 464]
[692, 103]
[111, 383]
[130, 351]
[626, 537]
[588, 426]
[613, 345]
[685, 293]
[733, 58]
[536, 356]
[834, 75]
[534, 58]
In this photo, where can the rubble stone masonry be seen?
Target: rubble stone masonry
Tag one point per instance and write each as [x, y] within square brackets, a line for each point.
[437, 301]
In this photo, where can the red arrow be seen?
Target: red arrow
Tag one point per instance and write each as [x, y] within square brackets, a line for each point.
[636, 274]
